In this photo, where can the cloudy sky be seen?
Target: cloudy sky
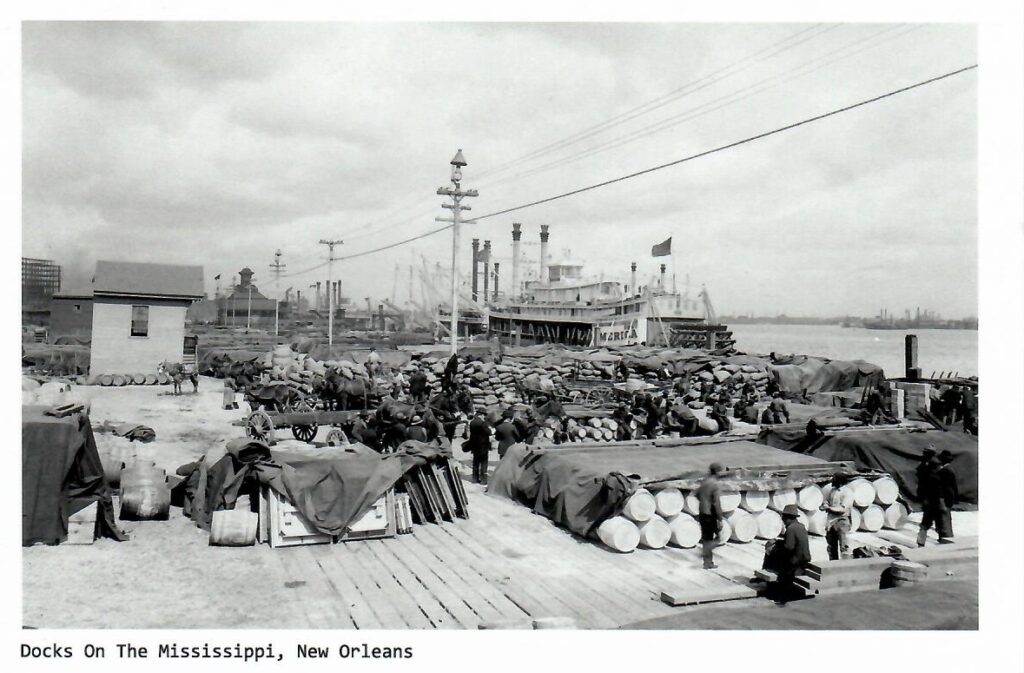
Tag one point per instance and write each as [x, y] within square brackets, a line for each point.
[217, 144]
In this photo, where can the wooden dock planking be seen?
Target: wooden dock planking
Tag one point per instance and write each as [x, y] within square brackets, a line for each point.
[522, 585]
[451, 570]
[405, 604]
[437, 617]
[359, 610]
[325, 610]
[277, 574]
[459, 613]
[383, 597]
[468, 569]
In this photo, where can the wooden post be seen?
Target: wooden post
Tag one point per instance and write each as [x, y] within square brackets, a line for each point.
[913, 372]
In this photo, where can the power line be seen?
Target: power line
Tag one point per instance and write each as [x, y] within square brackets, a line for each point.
[732, 144]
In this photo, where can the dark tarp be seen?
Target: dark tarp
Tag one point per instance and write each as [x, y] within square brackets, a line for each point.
[579, 487]
[897, 452]
[331, 486]
[799, 374]
[61, 474]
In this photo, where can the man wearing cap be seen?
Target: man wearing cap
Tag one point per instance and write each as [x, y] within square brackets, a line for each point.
[928, 494]
[792, 554]
[710, 514]
[720, 413]
[948, 496]
[837, 524]
[506, 432]
[416, 431]
[479, 445]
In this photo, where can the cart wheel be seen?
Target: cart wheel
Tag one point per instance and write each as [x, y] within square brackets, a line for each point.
[261, 427]
[336, 437]
[302, 406]
[305, 433]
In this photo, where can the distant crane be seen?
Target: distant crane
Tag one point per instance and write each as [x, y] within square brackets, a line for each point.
[709, 310]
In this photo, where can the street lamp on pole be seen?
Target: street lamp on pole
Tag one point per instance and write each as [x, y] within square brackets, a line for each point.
[330, 295]
[456, 194]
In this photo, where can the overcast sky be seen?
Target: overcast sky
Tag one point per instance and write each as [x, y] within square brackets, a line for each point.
[217, 144]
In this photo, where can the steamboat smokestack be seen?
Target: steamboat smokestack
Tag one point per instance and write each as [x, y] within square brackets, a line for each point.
[544, 253]
[476, 257]
[517, 233]
[487, 267]
[495, 299]
[632, 279]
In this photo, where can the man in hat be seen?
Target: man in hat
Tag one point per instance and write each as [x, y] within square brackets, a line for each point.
[416, 431]
[791, 554]
[479, 445]
[710, 514]
[506, 432]
[928, 493]
[778, 408]
[720, 413]
[837, 523]
[949, 494]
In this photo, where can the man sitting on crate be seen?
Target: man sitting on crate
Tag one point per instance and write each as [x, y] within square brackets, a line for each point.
[787, 556]
[837, 524]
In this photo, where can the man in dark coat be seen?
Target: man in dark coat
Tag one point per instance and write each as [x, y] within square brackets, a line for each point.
[418, 386]
[780, 412]
[506, 433]
[948, 494]
[479, 445]
[929, 493]
[789, 555]
[720, 413]
[969, 410]
[710, 514]
[416, 431]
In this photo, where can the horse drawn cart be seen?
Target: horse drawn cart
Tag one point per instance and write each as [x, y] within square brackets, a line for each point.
[304, 424]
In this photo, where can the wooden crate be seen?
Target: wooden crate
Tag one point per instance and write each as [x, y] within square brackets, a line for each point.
[379, 522]
[286, 526]
[82, 526]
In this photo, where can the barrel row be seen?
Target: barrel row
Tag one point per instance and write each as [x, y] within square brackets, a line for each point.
[656, 518]
[128, 379]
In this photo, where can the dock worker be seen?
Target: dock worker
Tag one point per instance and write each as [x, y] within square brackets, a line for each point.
[949, 494]
[418, 386]
[969, 410]
[789, 556]
[928, 494]
[778, 408]
[417, 431]
[720, 413]
[506, 432]
[681, 386]
[875, 406]
[479, 445]
[709, 514]
[951, 401]
[623, 370]
[837, 523]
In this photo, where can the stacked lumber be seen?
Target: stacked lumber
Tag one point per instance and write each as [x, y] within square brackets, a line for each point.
[844, 575]
[434, 493]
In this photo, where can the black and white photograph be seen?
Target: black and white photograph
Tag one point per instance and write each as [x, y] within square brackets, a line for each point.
[576, 325]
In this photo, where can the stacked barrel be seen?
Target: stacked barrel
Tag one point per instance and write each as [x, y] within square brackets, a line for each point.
[144, 491]
[655, 518]
[118, 380]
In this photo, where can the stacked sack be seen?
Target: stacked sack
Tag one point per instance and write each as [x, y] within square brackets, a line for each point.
[52, 394]
[285, 365]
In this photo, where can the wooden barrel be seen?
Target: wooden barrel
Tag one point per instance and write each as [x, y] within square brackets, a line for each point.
[668, 502]
[863, 492]
[816, 522]
[755, 501]
[139, 379]
[854, 519]
[233, 528]
[691, 504]
[907, 572]
[619, 533]
[809, 498]
[769, 524]
[607, 435]
[743, 526]
[151, 379]
[685, 530]
[654, 533]
[106, 380]
[117, 380]
[731, 500]
[886, 491]
[145, 501]
[640, 506]
[141, 472]
[896, 516]
[782, 497]
[871, 518]
[163, 379]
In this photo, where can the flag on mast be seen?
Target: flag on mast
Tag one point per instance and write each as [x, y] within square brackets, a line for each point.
[662, 249]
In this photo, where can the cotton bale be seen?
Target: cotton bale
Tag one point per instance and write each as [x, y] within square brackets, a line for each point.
[654, 533]
[685, 530]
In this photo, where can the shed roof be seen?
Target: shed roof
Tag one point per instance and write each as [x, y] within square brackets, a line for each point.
[77, 293]
[148, 280]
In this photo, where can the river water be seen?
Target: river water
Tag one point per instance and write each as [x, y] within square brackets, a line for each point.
[938, 349]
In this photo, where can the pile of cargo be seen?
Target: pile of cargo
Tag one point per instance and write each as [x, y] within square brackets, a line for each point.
[51, 393]
[654, 519]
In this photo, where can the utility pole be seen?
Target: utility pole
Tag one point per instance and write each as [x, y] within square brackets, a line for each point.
[330, 298]
[248, 308]
[457, 162]
[277, 268]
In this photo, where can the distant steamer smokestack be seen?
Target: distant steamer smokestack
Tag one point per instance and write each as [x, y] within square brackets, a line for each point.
[544, 253]
[517, 233]
[476, 257]
[495, 282]
[632, 279]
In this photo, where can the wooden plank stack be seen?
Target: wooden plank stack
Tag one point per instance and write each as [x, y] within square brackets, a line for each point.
[844, 575]
[434, 492]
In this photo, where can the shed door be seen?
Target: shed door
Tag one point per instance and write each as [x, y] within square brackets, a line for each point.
[188, 353]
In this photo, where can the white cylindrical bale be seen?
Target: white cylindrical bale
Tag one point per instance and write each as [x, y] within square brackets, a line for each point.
[725, 534]
[654, 533]
[743, 526]
[871, 518]
[854, 519]
[685, 530]
[640, 507]
[816, 521]
[886, 491]
[895, 516]
[730, 500]
[668, 502]
[781, 497]
[755, 501]
[769, 524]
[691, 504]
[619, 533]
[809, 498]
[863, 492]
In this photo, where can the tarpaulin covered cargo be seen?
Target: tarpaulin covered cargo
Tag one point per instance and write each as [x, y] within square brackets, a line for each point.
[802, 374]
[331, 486]
[897, 452]
[61, 474]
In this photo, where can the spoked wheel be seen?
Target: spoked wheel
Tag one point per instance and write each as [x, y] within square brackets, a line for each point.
[260, 427]
[302, 406]
[336, 437]
[305, 433]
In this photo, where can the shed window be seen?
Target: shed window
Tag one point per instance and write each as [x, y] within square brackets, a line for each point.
[78, 308]
[140, 321]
